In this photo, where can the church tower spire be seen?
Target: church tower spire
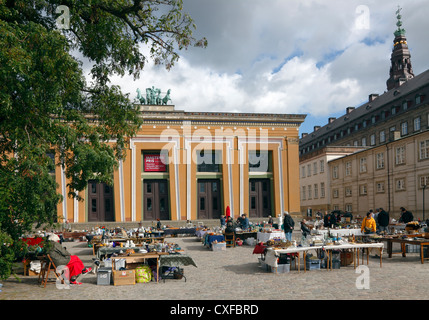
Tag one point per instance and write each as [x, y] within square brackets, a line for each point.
[401, 69]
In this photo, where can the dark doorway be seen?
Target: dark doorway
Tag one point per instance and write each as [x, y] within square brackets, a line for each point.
[259, 198]
[100, 202]
[155, 200]
[209, 202]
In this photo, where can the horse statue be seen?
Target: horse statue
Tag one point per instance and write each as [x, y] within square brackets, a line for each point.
[158, 99]
[166, 98]
[140, 98]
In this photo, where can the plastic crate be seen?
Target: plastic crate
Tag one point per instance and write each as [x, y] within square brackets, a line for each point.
[283, 268]
[336, 264]
[219, 246]
[312, 264]
[104, 276]
[412, 248]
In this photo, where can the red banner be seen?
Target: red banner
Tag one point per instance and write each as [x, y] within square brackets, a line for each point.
[154, 163]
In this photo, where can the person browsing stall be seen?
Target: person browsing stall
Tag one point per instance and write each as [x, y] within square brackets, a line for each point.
[368, 224]
[288, 226]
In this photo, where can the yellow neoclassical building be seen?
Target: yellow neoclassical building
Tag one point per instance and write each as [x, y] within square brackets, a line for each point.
[194, 165]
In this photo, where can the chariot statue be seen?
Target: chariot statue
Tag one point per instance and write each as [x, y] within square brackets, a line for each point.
[153, 96]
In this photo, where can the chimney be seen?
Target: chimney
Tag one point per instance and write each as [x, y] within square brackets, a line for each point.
[331, 119]
[349, 109]
[316, 128]
[373, 96]
[304, 135]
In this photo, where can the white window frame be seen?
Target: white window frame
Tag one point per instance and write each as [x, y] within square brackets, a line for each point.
[400, 155]
[424, 150]
[417, 123]
[348, 171]
[322, 166]
[404, 128]
[400, 184]
[380, 187]
[382, 136]
[380, 160]
[362, 165]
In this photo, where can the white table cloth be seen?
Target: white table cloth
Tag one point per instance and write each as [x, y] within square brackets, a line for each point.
[272, 255]
[340, 232]
[265, 236]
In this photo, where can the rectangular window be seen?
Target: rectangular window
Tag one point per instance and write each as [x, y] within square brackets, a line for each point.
[355, 143]
[404, 128]
[393, 110]
[259, 161]
[304, 193]
[363, 142]
[424, 149]
[310, 193]
[400, 155]
[314, 168]
[349, 207]
[400, 184]
[372, 139]
[335, 193]
[322, 189]
[316, 191]
[380, 187]
[363, 190]
[380, 160]
[418, 99]
[348, 191]
[303, 172]
[382, 136]
[417, 124]
[335, 172]
[362, 167]
[309, 170]
[424, 181]
[322, 166]
[348, 168]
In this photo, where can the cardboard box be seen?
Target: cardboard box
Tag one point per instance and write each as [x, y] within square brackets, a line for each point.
[124, 277]
[346, 258]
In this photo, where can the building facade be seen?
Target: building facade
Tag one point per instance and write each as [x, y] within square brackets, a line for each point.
[193, 165]
[315, 181]
[390, 176]
[387, 126]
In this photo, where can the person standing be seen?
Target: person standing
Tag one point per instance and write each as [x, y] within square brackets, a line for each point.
[288, 226]
[244, 222]
[406, 216]
[222, 221]
[304, 228]
[368, 224]
[383, 220]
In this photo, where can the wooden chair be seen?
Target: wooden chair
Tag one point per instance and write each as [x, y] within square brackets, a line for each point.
[47, 266]
[230, 239]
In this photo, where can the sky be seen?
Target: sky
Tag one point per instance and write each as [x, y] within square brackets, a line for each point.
[313, 57]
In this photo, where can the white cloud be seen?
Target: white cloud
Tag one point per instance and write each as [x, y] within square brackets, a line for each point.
[287, 56]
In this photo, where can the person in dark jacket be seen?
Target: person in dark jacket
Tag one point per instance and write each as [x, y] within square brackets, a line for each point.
[383, 220]
[326, 220]
[288, 226]
[304, 228]
[229, 225]
[406, 216]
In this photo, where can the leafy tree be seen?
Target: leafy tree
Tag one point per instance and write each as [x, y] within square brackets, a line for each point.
[47, 107]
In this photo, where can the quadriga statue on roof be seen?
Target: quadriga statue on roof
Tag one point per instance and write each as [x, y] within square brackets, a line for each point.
[153, 96]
